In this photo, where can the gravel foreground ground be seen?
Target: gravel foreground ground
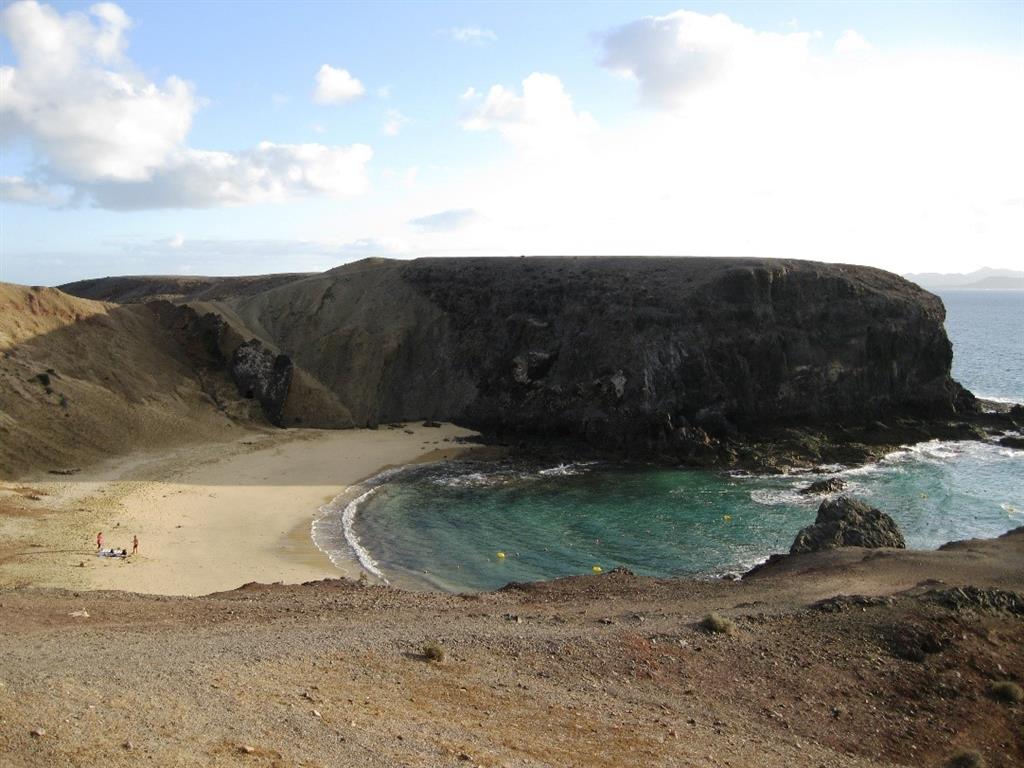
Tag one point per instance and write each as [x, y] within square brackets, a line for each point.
[609, 670]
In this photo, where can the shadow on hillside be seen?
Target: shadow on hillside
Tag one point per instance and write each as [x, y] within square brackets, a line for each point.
[123, 382]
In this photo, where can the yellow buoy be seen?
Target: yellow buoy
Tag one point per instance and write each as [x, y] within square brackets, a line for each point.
[596, 569]
[501, 555]
[727, 518]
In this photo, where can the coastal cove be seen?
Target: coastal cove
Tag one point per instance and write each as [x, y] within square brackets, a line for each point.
[443, 527]
[467, 525]
[511, 385]
[214, 516]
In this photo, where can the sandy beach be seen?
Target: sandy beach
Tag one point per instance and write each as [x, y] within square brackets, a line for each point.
[209, 518]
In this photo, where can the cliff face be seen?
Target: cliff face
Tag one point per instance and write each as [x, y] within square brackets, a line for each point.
[616, 350]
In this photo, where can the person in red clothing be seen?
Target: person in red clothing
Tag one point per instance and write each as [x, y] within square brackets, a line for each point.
[99, 540]
[135, 544]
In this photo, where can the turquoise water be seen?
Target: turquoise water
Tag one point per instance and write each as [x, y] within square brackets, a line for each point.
[442, 526]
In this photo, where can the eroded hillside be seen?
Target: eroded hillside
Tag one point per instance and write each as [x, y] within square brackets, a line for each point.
[83, 380]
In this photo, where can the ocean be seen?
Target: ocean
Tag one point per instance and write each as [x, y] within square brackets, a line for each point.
[987, 331]
[466, 526]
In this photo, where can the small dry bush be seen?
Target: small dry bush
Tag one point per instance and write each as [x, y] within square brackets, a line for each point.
[718, 624]
[1007, 692]
[434, 652]
[967, 760]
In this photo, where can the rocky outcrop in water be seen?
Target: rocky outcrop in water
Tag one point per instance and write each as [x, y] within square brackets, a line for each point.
[848, 522]
[678, 355]
[823, 487]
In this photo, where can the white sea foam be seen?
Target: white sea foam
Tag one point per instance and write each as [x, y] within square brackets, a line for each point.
[505, 476]
[470, 480]
[567, 470]
[830, 469]
[1000, 399]
[336, 524]
[347, 519]
[773, 497]
[895, 462]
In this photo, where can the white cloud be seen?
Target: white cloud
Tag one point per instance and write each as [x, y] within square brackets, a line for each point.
[674, 56]
[851, 42]
[336, 86]
[447, 221]
[542, 120]
[18, 189]
[406, 178]
[469, 94]
[101, 128]
[84, 108]
[908, 161]
[215, 249]
[393, 123]
[270, 173]
[472, 35]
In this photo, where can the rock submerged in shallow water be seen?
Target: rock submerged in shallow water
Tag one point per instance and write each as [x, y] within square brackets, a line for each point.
[1012, 441]
[847, 522]
[822, 487]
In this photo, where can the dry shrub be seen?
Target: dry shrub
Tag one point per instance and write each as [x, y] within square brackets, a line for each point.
[970, 759]
[719, 625]
[1007, 692]
[434, 652]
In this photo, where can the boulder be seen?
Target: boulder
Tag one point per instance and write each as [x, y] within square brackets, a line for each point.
[1011, 441]
[822, 487]
[262, 375]
[848, 522]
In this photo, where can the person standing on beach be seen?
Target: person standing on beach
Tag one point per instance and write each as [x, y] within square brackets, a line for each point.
[99, 540]
[135, 544]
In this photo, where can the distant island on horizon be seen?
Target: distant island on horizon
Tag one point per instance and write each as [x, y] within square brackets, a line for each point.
[984, 279]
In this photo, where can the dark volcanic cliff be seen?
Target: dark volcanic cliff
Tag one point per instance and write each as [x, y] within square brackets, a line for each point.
[659, 351]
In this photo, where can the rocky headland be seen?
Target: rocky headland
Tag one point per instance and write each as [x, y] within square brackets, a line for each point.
[755, 363]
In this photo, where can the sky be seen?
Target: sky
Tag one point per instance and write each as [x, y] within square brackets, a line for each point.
[244, 138]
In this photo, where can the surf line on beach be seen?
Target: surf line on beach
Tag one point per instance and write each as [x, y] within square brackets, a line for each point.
[336, 524]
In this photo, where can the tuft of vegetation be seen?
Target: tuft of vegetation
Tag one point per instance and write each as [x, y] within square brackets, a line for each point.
[434, 652]
[970, 759]
[1007, 692]
[717, 624]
